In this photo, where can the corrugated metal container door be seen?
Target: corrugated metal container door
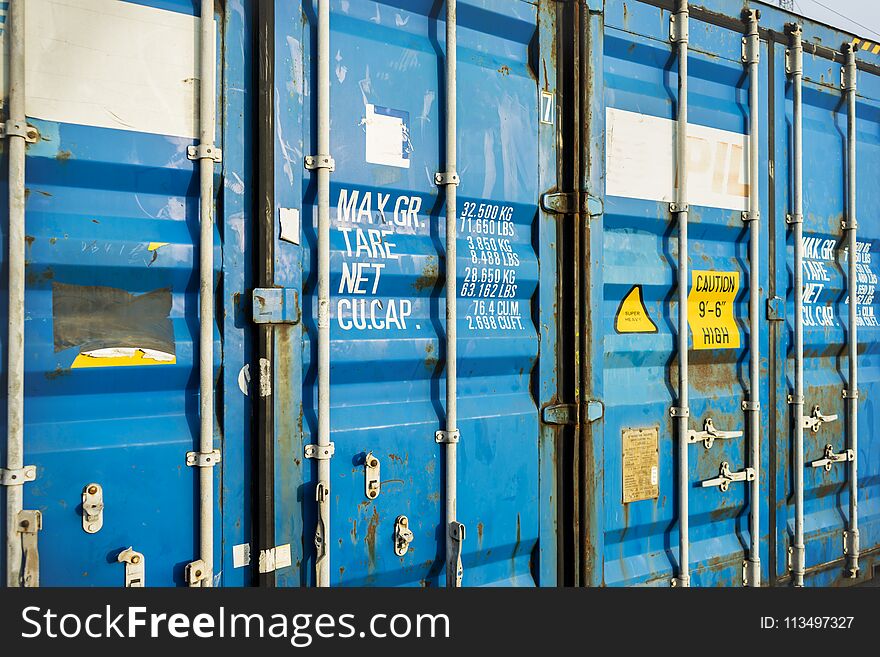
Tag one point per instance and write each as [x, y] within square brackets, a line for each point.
[632, 498]
[826, 177]
[387, 237]
[111, 305]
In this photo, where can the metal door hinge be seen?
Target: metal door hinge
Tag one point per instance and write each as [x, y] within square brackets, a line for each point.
[92, 508]
[560, 414]
[18, 476]
[816, 419]
[204, 152]
[726, 477]
[372, 483]
[275, 558]
[775, 309]
[403, 536]
[794, 61]
[19, 129]
[829, 458]
[710, 434]
[275, 305]
[194, 573]
[572, 202]
[135, 568]
[30, 523]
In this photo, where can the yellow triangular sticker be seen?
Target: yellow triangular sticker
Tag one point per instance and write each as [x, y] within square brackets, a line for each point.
[632, 316]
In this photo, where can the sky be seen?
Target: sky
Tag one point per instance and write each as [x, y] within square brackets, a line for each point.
[860, 17]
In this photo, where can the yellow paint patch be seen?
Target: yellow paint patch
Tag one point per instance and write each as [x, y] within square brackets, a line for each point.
[876, 49]
[710, 309]
[152, 246]
[632, 316]
[138, 358]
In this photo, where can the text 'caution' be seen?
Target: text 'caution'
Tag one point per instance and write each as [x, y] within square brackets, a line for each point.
[710, 309]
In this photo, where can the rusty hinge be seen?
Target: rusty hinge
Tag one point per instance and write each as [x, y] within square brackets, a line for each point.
[571, 202]
[775, 309]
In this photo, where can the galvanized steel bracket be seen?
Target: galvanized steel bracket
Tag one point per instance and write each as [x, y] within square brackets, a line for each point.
[710, 434]
[830, 458]
[750, 216]
[792, 219]
[848, 225]
[203, 459]
[204, 152]
[92, 508]
[447, 437]
[320, 452]
[315, 162]
[275, 305]
[676, 208]
[726, 477]
[678, 27]
[19, 129]
[678, 411]
[194, 573]
[751, 406]
[135, 568]
[848, 72]
[18, 476]
[848, 394]
[443, 178]
[816, 419]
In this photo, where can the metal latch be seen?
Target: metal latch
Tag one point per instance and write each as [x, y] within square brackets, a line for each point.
[29, 525]
[457, 533]
[372, 482]
[710, 434]
[322, 497]
[726, 477]
[275, 305]
[92, 508]
[403, 536]
[816, 419]
[134, 568]
[194, 573]
[830, 458]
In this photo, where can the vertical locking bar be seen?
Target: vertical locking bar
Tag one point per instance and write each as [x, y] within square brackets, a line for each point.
[795, 65]
[322, 565]
[752, 44]
[15, 346]
[852, 393]
[206, 154]
[679, 36]
[449, 180]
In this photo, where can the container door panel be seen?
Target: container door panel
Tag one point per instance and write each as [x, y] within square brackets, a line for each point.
[639, 299]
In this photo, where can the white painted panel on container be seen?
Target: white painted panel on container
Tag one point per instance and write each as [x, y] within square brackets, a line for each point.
[111, 64]
[640, 161]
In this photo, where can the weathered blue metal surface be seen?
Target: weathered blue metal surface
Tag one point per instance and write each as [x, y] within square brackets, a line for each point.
[112, 208]
[632, 63]
[387, 336]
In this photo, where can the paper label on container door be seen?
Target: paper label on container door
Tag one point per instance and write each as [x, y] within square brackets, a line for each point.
[641, 459]
[710, 309]
[640, 161]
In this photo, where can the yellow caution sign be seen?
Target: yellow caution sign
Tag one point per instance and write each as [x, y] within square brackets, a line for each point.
[710, 309]
[632, 316]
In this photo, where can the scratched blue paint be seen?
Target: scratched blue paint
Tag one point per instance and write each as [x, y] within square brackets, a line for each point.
[96, 198]
[387, 375]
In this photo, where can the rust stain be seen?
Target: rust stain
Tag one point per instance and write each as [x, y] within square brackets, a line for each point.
[370, 539]
[504, 70]
[63, 156]
[29, 239]
[430, 357]
[429, 276]
[479, 535]
[57, 372]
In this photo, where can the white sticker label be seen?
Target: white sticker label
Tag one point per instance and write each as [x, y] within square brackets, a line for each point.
[110, 64]
[548, 107]
[241, 555]
[289, 219]
[640, 161]
[387, 136]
